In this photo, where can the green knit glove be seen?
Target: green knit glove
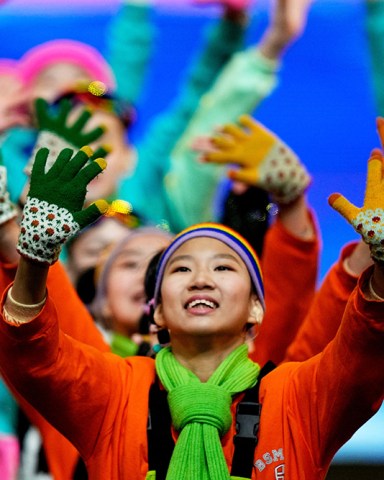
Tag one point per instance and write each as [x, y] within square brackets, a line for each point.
[263, 159]
[7, 209]
[55, 132]
[54, 210]
[368, 221]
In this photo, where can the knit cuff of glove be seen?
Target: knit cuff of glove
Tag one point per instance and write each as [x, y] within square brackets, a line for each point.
[283, 175]
[44, 229]
[370, 224]
[54, 143]
[7, 208]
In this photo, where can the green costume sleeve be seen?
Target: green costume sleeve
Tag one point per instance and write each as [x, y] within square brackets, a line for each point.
[191, 186]
[16, 148]
[375, 35]
[154, 150]
[130, 38]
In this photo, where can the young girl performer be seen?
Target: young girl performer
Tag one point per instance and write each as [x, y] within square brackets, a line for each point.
[209, 290]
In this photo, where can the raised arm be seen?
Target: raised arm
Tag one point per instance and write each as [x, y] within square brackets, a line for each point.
[327, 309]
[374, 27]
[247, 79]
[52, 214]
[341, 399]
[130, 38]
[324, 317]
[290, 255]
[221, 40]
[74, 320]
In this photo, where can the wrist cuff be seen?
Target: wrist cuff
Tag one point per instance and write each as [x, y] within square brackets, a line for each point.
[44, 229]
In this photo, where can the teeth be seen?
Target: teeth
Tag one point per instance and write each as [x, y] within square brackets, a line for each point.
[194, 303]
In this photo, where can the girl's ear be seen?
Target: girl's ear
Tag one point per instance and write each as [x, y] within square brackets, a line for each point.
[158, 316]
[256, 312]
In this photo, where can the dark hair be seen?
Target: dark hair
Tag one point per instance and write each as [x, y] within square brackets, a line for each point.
[149, 289]
[86, 286]
[249, 213]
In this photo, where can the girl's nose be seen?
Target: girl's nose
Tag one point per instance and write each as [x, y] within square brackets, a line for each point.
[201, 279]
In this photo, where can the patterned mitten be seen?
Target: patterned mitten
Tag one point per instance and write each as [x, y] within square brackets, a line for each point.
[7, 209]
[54, 210]
[263, 160]
[368, 221]
[55, 133]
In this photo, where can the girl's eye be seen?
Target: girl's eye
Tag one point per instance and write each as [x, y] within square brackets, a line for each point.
[222, 268]
[128, 265]
[181, 269]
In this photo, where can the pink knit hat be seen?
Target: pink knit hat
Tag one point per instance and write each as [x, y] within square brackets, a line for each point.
[71, 51]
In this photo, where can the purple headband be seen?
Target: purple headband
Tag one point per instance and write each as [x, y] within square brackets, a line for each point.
[225, 235]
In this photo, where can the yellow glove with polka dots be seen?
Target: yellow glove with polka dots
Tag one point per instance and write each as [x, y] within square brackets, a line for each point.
[367, 220]
[261, 158]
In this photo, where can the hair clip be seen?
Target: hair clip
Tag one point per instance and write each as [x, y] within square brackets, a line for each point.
[147, 307]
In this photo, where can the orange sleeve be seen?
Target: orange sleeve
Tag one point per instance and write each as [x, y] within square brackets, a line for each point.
[74, 318]
[75, 321]
[326, 312]
[290, 270]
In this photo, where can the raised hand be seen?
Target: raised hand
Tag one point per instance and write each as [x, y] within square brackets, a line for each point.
[54, 210]
[368, 220]
[263, 160]
[288, 19]
[58, 131]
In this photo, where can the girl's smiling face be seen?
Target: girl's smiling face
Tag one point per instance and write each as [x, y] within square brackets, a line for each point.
[206, 290]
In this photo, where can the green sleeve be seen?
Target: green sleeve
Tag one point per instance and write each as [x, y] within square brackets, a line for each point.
[153, 152]
[374, 23]
[190, 186]
[16, 147]
[130, 37]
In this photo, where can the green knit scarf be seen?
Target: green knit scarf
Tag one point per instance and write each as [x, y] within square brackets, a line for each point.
[201, 412]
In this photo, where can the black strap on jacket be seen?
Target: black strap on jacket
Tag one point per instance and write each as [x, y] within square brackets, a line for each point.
[159, 434]
[247, 427]
[161, 444]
